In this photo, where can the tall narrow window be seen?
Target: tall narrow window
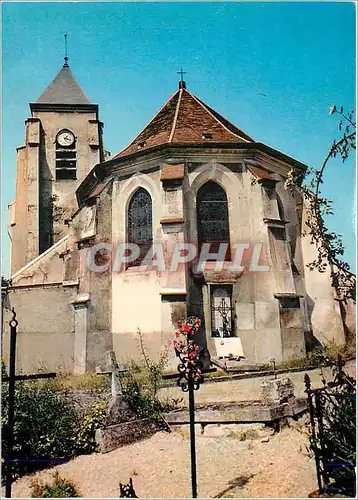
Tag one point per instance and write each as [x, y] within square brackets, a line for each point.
[140, 226]
[221, 311]
[213, 217]
[66, 156]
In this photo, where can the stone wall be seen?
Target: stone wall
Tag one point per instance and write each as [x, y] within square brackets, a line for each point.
[323, 309]
[45, 339]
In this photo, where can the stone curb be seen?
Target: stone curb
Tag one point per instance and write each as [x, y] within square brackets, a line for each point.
[239, 376]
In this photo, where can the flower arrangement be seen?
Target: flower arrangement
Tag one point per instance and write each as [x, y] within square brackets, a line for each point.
[190, 367]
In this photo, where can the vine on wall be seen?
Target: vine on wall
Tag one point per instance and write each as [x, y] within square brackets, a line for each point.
[329, 244]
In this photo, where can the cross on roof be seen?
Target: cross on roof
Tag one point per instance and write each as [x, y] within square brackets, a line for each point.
[66, 57]
[181, 73]
[115, 370]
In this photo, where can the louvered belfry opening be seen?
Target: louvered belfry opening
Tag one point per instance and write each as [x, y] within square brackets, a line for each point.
[140, 224]
[66, 161]
[213, 217]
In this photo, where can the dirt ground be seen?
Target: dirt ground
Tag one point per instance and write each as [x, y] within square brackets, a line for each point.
[160, 468]
[226, 466]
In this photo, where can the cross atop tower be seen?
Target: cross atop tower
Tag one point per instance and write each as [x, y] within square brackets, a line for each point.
[65, 58]
[182, 84]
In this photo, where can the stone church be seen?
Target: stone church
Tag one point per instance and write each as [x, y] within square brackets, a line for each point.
[189, 180]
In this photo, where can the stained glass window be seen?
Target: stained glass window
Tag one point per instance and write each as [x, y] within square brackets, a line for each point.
[140, 224]
[213, 217]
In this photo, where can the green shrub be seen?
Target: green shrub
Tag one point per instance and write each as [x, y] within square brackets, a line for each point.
[59, 488]
[43, 431]
[89, 421]
[326, 355]
[3, 369]
[140, 397]
[330, 353]
[335, 442]
[48, 429]
[142, 382]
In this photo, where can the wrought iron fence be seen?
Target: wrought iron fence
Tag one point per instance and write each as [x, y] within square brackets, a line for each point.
[332, 410]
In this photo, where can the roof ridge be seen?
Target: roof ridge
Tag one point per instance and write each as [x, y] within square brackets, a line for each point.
[207, 109]
[63, 89]
[39, 257]
[75, 80]
[176, 116]
[147, 125]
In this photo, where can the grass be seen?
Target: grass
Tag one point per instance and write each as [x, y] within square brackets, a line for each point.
[92, 381]
[59, 488]
[69, 381]
[218, 373]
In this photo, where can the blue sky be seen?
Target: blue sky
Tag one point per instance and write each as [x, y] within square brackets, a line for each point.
[126, 57]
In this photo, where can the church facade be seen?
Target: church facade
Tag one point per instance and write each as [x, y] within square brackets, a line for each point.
[191, 218]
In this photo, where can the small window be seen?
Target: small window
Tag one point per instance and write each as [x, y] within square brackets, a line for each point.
[66, 155]
[207, 135]
[221, 311]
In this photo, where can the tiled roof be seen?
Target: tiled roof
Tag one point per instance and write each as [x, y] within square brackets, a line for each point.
[185, 119]
[63, 89]
[172, 172]
[261, 173]
[97, 190]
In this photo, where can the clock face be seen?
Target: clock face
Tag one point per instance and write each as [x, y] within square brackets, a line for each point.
[65, 138]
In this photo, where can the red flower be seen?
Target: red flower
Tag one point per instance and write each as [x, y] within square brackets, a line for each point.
[187, 328]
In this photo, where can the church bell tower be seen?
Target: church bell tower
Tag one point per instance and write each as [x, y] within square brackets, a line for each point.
[63, 142]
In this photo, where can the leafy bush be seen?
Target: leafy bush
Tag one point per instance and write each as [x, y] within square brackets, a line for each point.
[330, 353]
[60, 488]
[141, 398]
[48, 429]
[327, 355]
[89, 421]
[44, 428]
[3, 369]
[335, 443]
[142, 382]
[152, 370]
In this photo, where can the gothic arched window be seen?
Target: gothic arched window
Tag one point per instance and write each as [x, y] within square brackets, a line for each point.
[139, 224]
[213, 217]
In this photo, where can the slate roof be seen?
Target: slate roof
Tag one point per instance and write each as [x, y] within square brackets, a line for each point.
[63, 89]
[185, 119]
